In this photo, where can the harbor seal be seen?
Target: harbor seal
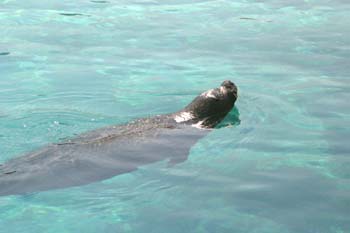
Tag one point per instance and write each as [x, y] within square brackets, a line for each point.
[118, 149]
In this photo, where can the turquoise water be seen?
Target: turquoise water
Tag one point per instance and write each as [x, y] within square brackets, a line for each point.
[70, 66]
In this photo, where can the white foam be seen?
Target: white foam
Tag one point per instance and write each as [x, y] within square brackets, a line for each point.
[183, 116]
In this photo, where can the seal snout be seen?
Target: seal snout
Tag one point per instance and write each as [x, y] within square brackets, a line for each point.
[230, 87]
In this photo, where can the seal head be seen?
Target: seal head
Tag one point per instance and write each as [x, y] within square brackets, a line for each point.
[210, 107]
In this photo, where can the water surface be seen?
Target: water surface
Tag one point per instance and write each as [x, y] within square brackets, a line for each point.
[70, 66]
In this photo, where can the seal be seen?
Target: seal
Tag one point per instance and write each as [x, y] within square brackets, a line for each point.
[118, 149]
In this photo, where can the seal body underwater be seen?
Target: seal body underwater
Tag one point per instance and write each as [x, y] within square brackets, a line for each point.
[114, 150]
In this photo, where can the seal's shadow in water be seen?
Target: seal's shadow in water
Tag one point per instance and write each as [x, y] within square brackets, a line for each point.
[232, 119]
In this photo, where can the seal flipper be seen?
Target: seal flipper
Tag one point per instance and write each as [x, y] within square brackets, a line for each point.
[180, 156]
[9, 172]
[4, 171]
[180, 153]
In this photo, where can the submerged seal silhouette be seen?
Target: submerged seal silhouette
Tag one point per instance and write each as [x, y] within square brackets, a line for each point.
[113, 150]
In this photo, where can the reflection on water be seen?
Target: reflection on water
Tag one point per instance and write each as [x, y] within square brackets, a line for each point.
[280, 164]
